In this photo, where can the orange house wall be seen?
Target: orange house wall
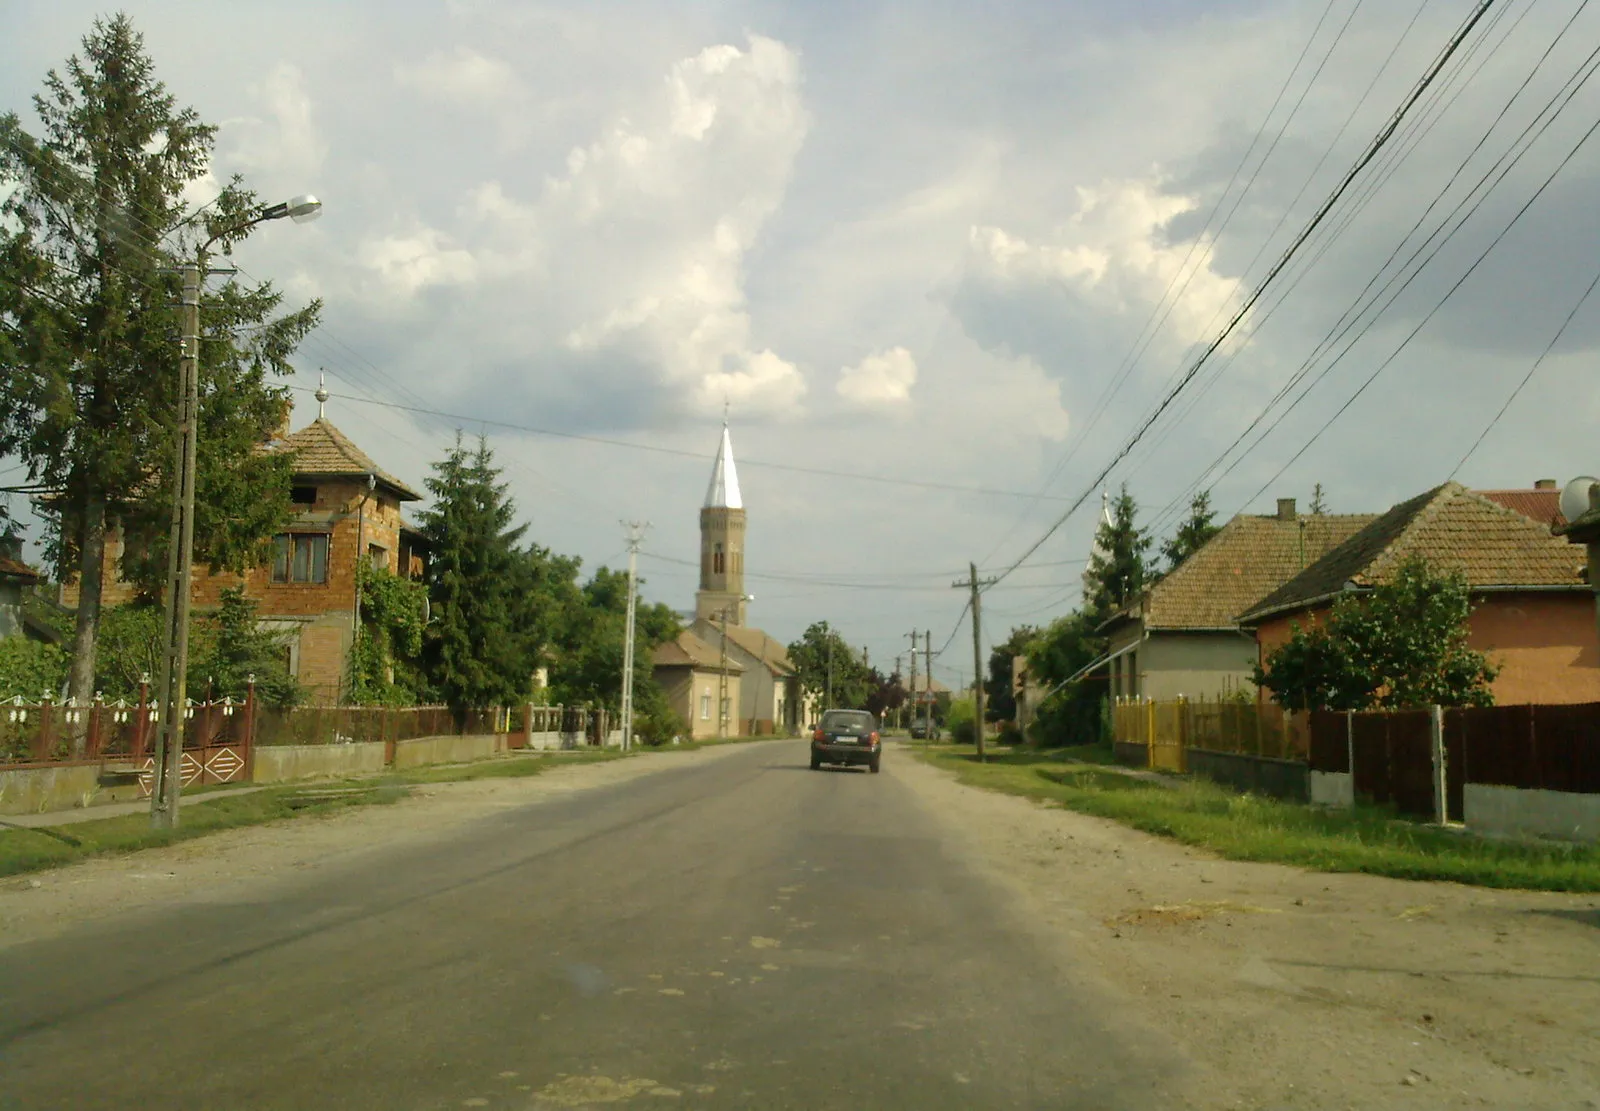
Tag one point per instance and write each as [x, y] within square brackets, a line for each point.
[1545, 644]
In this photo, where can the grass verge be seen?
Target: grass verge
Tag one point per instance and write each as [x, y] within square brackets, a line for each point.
[32, 850]
[1249, 827]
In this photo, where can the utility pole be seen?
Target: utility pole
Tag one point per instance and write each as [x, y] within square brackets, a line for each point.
[927, 679]
[635, 531]
[913, 635]
[828, 696]
[167, 780]
[976, 585]
[724, 710]
[899, 716]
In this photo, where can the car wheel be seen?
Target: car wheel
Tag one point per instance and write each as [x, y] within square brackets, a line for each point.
[874, 764]
[816, 762]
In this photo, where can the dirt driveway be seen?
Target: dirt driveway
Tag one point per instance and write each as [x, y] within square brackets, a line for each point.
[1307, 990]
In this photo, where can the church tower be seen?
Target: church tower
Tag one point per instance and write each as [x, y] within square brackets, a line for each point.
[722, 542]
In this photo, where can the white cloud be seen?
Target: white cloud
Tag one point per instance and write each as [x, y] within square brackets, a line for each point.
[423, 257]
[661, 211]
[281, 148]
[1112, 256]
[883, 380]
[463, 77]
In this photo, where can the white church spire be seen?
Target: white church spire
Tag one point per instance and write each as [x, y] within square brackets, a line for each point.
[723, 493]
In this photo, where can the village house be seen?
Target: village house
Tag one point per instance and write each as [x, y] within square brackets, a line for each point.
[1532, 610]
[700, 683]
[347, 508]
[16, 578]
[1182, 636]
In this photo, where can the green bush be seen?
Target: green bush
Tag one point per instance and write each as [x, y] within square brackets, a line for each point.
[658, 725]
[30, 668]
[959, 721]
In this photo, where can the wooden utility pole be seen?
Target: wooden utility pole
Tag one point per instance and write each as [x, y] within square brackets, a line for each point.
[976, 585]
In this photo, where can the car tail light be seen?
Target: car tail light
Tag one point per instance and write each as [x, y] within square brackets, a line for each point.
[819, 736]
[872, 738]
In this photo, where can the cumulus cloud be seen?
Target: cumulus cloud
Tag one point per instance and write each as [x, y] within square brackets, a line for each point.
[412, 261]
[462, 76]
[662, 208]
[282, 144]
[879, 381]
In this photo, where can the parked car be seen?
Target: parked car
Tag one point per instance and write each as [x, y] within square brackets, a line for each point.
[846, 737]
[922, 731]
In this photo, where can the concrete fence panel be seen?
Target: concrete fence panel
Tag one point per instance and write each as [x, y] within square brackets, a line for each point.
[282, 763]
[422, 751]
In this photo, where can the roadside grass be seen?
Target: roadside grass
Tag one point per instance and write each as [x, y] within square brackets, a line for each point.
[1249, 827]
[514, 765]
[31, 850]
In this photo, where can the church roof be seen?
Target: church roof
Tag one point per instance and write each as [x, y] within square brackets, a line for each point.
[723, 493]
[772, 654]
[321, 449]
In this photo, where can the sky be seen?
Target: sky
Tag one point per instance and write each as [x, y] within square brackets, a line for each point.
[952, 254]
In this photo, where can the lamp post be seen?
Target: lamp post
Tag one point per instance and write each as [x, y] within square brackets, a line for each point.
[180, 547]
[722, 670]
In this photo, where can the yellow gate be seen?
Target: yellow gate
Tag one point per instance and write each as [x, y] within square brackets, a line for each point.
[1167, 722]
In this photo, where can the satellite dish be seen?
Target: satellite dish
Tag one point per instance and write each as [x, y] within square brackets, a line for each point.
[1575, 500]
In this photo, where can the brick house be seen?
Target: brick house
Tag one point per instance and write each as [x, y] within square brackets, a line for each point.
[1182, 637]
[1532, 613]
[346, 508]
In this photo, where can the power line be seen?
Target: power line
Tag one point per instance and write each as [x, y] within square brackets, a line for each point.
[1361, 304]
[1371, 152]
[1537, 363]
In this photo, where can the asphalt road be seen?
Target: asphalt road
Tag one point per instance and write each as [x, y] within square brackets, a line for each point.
[744, 933]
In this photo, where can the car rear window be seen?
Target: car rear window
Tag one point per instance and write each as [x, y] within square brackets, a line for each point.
[853, 721]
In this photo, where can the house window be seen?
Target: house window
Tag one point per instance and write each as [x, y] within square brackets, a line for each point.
[300, 557]
[716, 559]
[378, 556]
[303, 495]
[705, 706]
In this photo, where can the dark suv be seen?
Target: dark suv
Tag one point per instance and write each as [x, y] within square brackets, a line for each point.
[922, 731]
[846, 737]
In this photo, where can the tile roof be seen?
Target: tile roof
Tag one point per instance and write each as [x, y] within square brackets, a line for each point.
[1451, 527]
[1543, 506]
[754, 641]
[688, 650]
[321, 449]
[11, 569]
[1251, 556]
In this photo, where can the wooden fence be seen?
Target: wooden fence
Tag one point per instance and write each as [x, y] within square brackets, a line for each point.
[1167, 730]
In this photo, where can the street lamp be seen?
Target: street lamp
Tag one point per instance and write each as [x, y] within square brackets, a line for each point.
[722, 676]
[180, 548]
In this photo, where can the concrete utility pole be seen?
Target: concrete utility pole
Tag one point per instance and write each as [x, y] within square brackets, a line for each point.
[724, 711]
[635, 532]
[827, 698]
[913, 635]
[927, 679]
[976, 585]
[167, 781]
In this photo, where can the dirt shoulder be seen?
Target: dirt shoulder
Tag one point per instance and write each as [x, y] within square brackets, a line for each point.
[44, 903]
[1296, 989]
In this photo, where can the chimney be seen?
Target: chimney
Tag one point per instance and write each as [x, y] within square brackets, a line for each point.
[11, 547]
[1544, 484]
[1286, 509]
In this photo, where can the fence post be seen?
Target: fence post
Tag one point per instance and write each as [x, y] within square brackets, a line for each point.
[249, 730]
[1436, 735]
[1350, 751]
[1150, 733]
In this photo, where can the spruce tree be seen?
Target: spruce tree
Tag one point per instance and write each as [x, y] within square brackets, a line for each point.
[1195, 532]
[89, 235]
[476, 655]
[1117, 571]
